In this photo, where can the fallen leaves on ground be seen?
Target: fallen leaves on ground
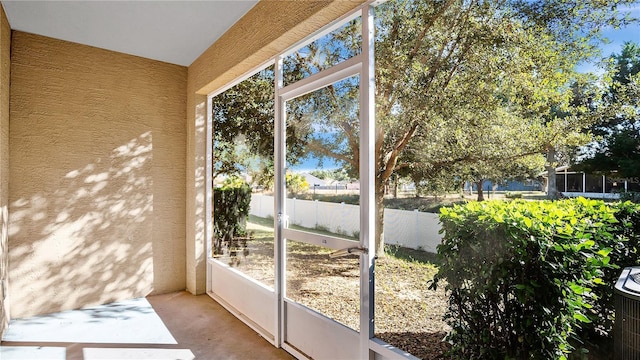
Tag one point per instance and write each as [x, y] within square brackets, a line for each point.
[408, 315]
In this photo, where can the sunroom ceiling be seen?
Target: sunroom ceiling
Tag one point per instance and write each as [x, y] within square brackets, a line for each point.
[176, 32]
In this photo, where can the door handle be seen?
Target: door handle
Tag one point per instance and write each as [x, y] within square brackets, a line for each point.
[347, 251]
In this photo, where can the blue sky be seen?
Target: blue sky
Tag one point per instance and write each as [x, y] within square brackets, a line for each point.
[308, 164]
[617, 38]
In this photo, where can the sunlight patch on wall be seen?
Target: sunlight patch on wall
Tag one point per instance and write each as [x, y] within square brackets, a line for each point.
[91, 232]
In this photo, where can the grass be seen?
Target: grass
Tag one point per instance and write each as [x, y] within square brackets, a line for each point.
[432, 204]
[411, 255]
[425, 204]
[256, 220]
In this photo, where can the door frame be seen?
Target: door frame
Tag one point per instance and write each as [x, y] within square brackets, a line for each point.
[344, 339]
[363, 66]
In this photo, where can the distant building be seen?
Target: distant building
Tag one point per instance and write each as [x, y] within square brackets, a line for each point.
[314, 181]
[576, 183]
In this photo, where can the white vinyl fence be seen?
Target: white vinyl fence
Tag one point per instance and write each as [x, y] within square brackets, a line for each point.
[411, 229]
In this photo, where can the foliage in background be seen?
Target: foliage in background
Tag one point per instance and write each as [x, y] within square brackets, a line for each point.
[632, 196]
[433, 185]
[296, 183]
[513, 195]
[618, 150]
[530, 279]
[243, 128]
[243, 123]
[230, 211]
[335, 174]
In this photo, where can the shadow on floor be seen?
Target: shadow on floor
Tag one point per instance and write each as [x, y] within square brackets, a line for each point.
[170, 326]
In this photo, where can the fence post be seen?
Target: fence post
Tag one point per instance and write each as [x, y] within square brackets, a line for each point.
[293, 211]
[417, 228]
[316, 201]
[342, 220]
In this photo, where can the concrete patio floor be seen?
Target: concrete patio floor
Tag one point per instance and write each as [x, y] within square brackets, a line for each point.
[171, 326]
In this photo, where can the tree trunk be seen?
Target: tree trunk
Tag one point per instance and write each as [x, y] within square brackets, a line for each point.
[552, 188]
[479, 184]
[380, 221]
[395, 187]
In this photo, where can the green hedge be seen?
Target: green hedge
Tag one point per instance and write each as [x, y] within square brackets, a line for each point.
[230, 212]
[529, 279]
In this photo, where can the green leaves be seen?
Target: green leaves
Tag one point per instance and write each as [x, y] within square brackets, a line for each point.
[617, 151]
[581, 317]
[231, 209]
[580, 290]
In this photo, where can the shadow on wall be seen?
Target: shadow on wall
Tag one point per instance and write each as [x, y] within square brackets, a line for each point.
[86, 239]
[4, 261]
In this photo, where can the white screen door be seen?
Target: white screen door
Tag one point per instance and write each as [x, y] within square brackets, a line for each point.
[324, 249]
[321, 239]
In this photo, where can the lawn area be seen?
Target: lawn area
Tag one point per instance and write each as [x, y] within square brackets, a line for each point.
[408, 201]
[408, 314]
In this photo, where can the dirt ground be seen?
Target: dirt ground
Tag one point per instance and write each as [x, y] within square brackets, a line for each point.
[408, 314]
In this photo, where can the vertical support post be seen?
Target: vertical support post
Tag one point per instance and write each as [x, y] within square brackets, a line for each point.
[208, 190]
[196, 212]
[367, 183]
[279, 249]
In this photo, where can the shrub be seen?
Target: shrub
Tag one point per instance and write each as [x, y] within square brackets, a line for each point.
[624, 252]
[296, 183]
[230, 211]
[525, 278]
[513, 195]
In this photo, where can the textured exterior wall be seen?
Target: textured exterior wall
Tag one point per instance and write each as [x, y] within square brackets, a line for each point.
[269, 28]
[97, 175]
[5, 61]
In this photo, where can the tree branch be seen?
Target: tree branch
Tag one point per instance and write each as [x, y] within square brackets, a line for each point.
[390, 164]
[428, 26]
